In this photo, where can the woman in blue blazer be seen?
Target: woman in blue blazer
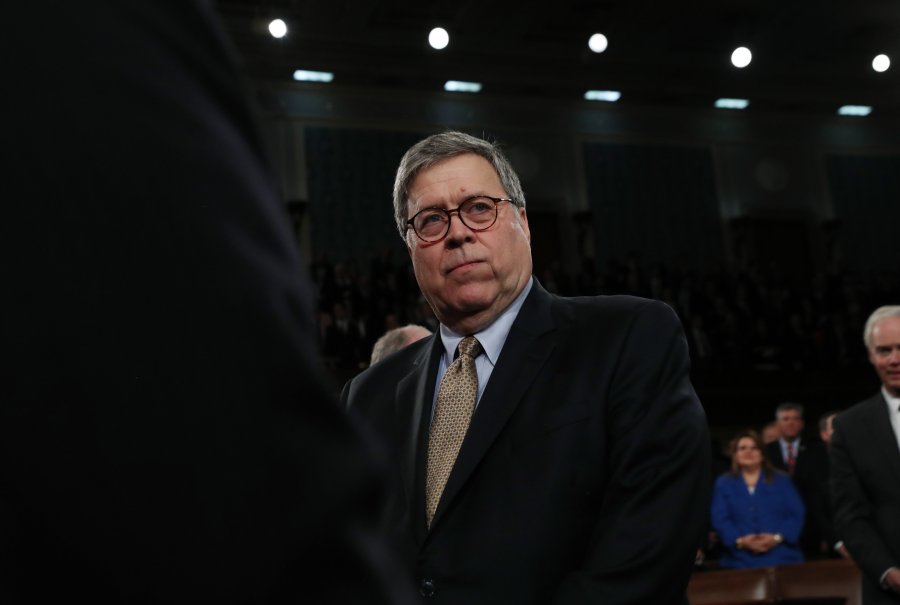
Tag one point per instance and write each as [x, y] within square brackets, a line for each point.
[756, 510]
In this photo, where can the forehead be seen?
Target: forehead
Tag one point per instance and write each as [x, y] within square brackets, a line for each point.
[745, 442]
[789, 415]
[453, 179]
[886, 332]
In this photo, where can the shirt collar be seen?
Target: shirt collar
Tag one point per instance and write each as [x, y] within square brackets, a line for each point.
[784, 442]
[892, 402]
[493, 337]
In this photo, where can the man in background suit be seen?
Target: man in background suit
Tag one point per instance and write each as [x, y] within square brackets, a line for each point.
[583, 474]
[164, 433]
[821, 508]
[792, 454]
[865, 467]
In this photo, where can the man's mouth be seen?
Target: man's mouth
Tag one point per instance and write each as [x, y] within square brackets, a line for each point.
[463, 265]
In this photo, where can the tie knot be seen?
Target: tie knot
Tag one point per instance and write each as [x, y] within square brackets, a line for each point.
[470, 346]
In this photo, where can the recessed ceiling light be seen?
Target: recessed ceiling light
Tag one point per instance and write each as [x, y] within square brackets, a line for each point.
[741, 57]
[881, 63]
[598, 43]
[460, 86]
[854, 110]
[438, 38]
[305, 75]
[277, 28]
[610, 96]
[725, 103]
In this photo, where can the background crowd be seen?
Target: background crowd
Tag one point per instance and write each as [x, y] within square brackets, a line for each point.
[758, 318]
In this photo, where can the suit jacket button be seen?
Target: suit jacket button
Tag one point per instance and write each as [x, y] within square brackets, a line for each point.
[426, 588]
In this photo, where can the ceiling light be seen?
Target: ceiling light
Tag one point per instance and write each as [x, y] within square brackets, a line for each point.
[854, 110]
[741, 57]
[726, 103]
[881, 63]
[598, 43]
[278, 28]
[610, 96]
[305, 75]
[438, 38]
[459, 86]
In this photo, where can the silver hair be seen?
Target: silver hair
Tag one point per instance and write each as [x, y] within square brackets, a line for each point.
[396, 339]
[438, 147]
[876, 316]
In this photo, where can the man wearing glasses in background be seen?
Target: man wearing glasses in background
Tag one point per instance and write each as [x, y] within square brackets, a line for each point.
[545, 449]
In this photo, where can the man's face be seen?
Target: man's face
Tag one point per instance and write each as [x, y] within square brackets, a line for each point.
[770, 433]
[790, 423]
[828, 431]
[469, 277]
[884, 353]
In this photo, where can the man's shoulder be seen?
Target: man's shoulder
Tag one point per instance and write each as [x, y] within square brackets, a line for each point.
[860, 414]
[863, 408]
[617, 307]
[392, 368]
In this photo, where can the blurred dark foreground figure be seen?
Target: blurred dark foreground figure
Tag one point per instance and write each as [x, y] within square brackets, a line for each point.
[165, 435]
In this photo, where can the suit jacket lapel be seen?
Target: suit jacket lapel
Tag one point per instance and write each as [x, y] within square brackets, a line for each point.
[413, 405]
[528, 345]
[883, 435]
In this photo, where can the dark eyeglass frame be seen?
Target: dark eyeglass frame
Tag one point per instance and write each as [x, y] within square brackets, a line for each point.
[410, 224]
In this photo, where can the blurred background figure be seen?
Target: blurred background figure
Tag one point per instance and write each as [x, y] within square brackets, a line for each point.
[165, 433]
[770, 433]
[803, 459]
[396, 339]
[756, 510]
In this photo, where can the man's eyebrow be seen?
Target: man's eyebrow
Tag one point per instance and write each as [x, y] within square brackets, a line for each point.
[445, 204]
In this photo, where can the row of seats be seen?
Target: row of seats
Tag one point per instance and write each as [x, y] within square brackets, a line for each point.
[831, 582]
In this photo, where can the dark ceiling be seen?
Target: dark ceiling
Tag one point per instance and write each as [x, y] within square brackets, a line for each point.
[808, 57]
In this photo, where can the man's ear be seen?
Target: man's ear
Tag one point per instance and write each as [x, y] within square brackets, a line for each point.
[523, 220]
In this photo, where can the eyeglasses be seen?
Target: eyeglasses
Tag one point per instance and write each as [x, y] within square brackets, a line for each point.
[477, 213]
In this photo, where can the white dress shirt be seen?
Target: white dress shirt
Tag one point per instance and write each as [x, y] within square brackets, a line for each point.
[492, 339]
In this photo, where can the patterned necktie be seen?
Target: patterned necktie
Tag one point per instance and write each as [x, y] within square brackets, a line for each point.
[791, 458]
[452, 413]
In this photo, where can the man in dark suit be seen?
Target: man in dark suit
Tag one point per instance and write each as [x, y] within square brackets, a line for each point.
[865, 467]
[820, 507]
[582, 475]
[802, 460]
[164, 433]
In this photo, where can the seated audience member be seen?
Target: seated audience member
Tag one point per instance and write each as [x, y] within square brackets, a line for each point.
[396, 339]
[756, 510]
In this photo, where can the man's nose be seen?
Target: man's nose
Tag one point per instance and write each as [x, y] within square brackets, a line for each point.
[458, 232]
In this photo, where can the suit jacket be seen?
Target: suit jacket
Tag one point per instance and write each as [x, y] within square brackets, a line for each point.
[865, 483]
[584, 475]
[165, 436]
[774, 507]
[807, 478]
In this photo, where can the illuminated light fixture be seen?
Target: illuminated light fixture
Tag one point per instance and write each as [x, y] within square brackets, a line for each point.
[741, 57]
[305, 75]
[598, 43]
[277, 28]
[610, 96]
[732, 103]
[438, 38]
[459, 86]
[881, 63]
[854, 110]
